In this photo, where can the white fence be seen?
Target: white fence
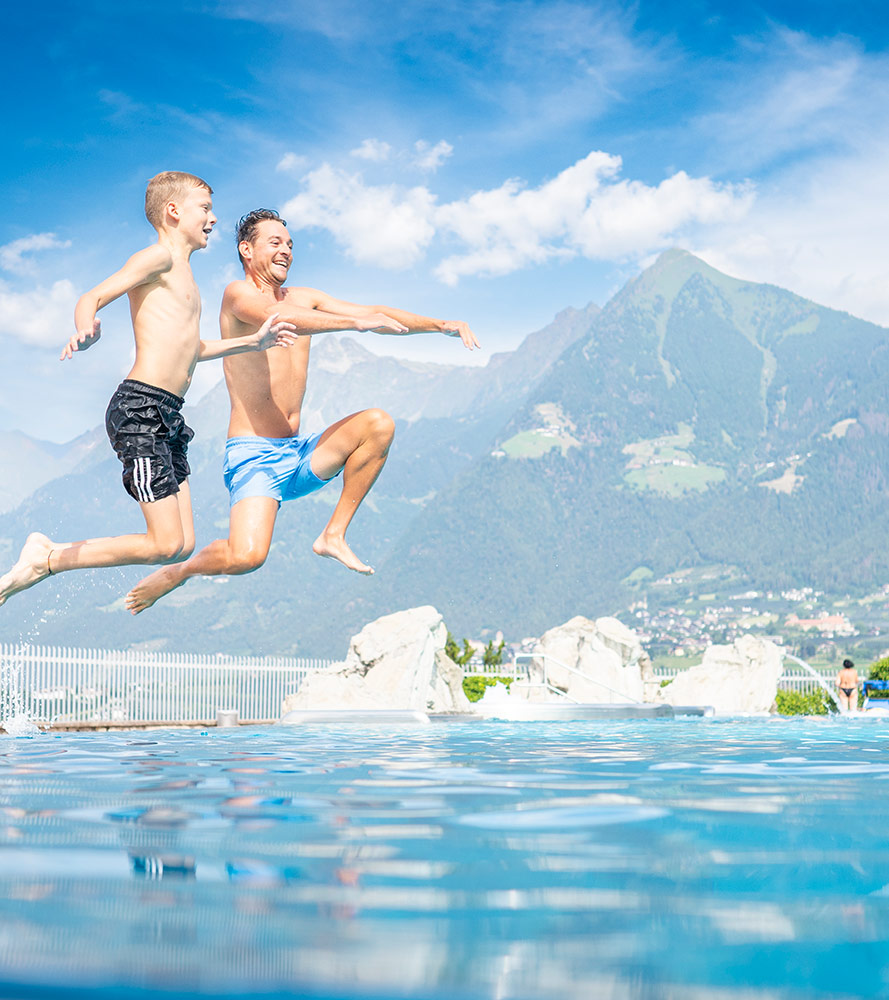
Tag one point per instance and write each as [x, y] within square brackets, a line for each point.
[793, 678]
[54, 684]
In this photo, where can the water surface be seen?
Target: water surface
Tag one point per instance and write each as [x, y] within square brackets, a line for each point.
[692, 859]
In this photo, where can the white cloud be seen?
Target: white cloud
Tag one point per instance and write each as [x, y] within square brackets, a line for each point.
[431, 157]
[383, 225]
[12, 255]
[374, 150]
[819, 231]
[586, 210]
[41, 316]
[292, 163]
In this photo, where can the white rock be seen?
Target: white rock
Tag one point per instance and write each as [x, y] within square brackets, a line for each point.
[395, 662]
[736, 680]
[591, 661]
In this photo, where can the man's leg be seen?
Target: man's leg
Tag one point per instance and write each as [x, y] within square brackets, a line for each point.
[251, 523]
[163, 541]
[357, 444]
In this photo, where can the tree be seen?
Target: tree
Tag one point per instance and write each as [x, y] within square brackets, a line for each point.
[452, 650]
[493, 657]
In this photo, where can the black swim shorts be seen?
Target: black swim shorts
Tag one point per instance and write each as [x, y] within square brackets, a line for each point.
[150, 436]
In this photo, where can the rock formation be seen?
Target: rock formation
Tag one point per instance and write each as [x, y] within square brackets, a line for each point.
[737, 679]
[395, 662]
[598, 661]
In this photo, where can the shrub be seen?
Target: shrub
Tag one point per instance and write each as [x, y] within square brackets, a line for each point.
[798, 703]
[879, 671]
[474, 684]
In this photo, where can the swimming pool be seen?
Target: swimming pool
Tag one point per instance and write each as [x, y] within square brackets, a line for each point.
[687, 859]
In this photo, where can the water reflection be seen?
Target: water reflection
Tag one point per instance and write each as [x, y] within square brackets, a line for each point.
[551, 860]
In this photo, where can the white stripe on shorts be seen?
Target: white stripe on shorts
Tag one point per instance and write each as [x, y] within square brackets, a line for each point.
[142, 479]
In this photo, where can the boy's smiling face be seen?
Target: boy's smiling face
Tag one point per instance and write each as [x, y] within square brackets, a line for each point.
[195, 215]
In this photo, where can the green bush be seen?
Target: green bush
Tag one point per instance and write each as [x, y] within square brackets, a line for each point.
[474, 684]
[797, 703]
[879, 671]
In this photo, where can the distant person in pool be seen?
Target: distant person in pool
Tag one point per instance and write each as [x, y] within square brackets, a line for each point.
[267, 461]
[847, 686]
[143, 419]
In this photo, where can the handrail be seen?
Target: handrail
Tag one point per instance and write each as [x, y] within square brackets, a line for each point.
[571, 670]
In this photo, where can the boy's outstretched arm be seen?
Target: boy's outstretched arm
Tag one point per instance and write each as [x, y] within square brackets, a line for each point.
[270, 334]
[143, 267]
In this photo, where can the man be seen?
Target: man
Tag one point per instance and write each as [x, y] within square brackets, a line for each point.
[267, 461]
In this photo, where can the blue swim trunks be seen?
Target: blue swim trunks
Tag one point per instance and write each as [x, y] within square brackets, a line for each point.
[280, 468]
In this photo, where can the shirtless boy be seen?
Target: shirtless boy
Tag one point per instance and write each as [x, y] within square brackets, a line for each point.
[143, 419]
[266, 459]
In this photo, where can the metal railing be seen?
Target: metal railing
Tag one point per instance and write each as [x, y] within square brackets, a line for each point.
[545, 683]
[64, 685]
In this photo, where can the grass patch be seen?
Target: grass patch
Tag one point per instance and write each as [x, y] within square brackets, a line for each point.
[533, 444]
[674, 480]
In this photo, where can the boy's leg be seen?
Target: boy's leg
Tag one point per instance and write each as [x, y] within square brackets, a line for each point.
[186, 519]
[251, 523]
[40, 557]
[357, 445]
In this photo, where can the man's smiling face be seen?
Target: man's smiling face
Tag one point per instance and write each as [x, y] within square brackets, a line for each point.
[270, 254]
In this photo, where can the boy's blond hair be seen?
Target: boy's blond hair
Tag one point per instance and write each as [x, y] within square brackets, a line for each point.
[166, 187]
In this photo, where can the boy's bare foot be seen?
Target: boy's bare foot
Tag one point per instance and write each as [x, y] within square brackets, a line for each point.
[336, 548]
[31, 568]
[152, 588]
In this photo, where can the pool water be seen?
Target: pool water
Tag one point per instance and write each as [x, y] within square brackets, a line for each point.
[689, 859]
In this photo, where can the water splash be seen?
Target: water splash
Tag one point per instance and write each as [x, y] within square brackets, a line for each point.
[13, 717]
[20, 725]
[820, 680]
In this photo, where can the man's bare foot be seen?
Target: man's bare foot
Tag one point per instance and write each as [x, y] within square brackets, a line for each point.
[31, 568]
[336, 548]
[152, 588]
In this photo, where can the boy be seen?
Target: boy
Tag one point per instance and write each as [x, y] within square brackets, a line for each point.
[143, 419]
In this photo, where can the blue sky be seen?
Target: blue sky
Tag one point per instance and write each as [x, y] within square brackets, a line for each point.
[488, 161]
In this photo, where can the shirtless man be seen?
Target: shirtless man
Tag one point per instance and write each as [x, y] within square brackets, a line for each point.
[266, 460]
[143, 419]
[847, 687]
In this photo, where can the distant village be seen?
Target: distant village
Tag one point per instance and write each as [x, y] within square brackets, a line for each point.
[807, 622]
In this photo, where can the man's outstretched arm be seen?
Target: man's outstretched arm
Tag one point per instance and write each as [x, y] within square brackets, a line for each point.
[253, 309]
[412, 322]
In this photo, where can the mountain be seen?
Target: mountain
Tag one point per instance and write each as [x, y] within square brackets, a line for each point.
[28, 463]
[446, 417]
[697, 422]
[701, 421]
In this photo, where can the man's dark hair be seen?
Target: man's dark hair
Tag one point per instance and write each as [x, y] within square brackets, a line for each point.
[249, 223]
[848, 664]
